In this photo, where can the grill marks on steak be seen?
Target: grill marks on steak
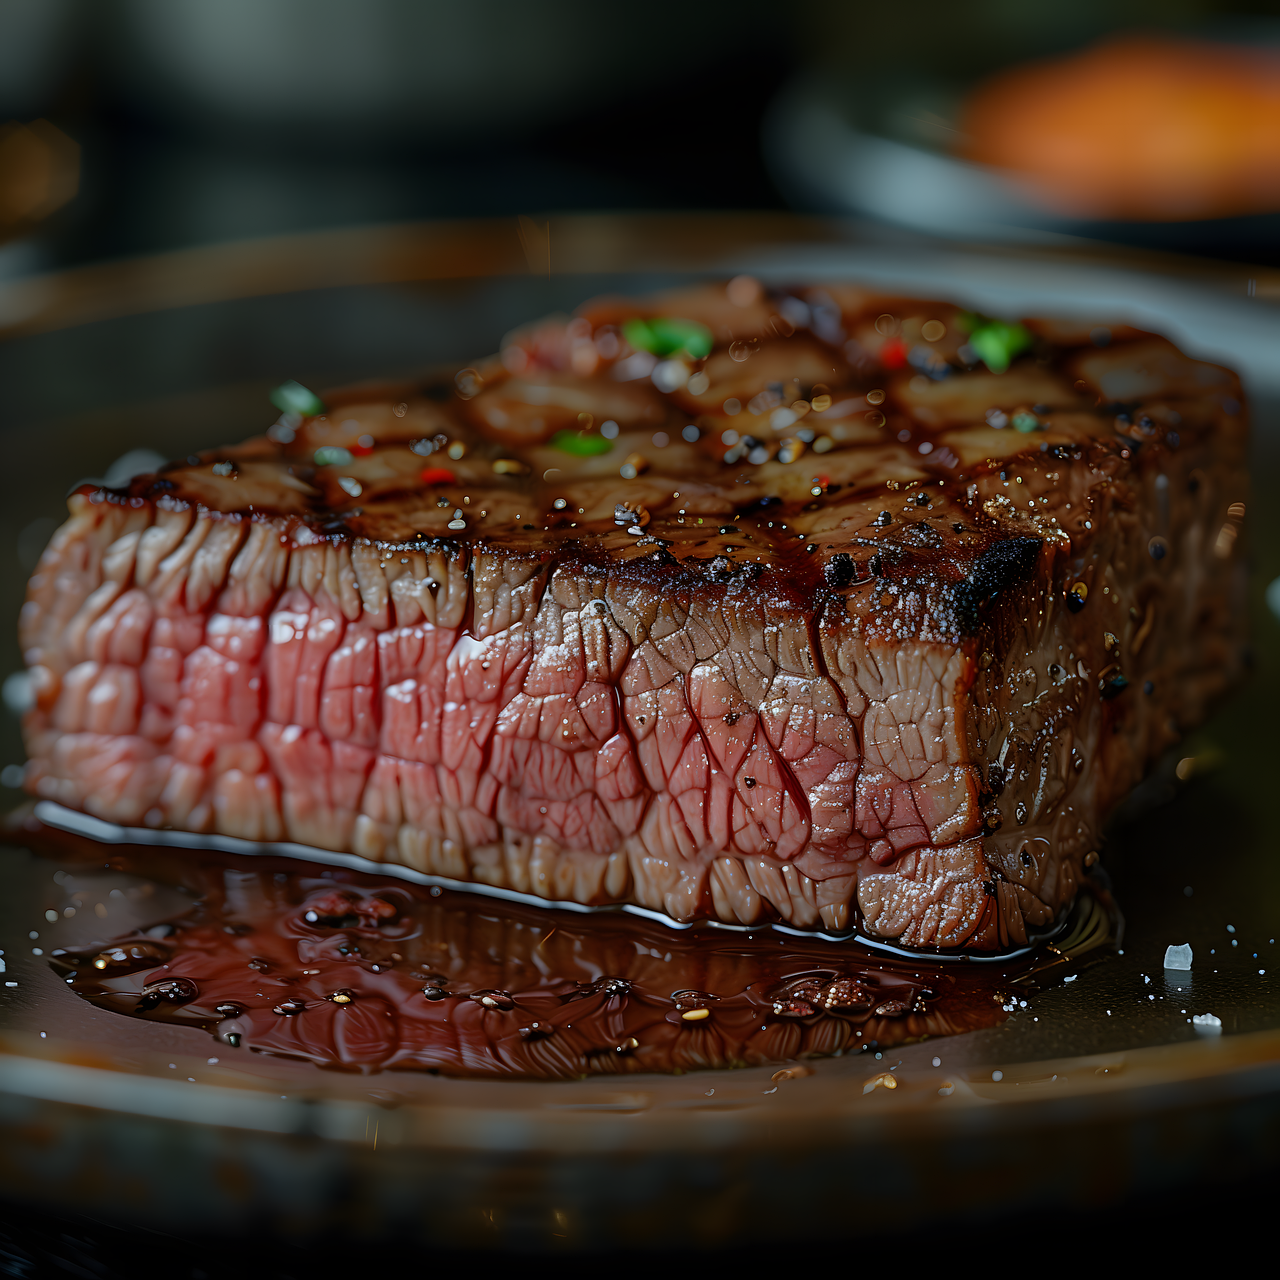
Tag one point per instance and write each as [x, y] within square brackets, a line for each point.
[871, 708]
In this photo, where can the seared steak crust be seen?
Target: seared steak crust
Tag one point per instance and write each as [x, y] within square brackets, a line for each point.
[828, 625]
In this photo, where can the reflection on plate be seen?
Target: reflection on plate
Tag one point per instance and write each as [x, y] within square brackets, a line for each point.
[368, 973]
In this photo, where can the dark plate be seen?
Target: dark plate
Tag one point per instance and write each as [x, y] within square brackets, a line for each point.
[130, 1121]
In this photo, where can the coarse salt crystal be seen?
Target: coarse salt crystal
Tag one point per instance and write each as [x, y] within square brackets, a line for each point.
[1207, 1024]
[1178, 957]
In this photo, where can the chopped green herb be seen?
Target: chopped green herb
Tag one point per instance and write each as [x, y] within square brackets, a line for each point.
[293, 397]
[1026, 422]
[332, 455]
[581, 446]
[996, 342]
[667, 335]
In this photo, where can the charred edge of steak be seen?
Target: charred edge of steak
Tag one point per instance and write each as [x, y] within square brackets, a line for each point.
[1003, 565]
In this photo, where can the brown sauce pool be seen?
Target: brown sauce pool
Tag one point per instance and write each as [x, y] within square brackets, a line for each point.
[364, 973]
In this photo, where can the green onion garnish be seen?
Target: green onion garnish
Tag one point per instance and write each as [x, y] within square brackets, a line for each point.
[581, 446]
[667, 335]
[995, 342]
[332, 455]
[293, 397]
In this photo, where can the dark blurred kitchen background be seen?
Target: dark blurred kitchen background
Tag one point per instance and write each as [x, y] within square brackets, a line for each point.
[142, 125]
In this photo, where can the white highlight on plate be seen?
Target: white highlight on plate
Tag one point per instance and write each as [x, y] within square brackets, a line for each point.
[18, 695]
[136, 462]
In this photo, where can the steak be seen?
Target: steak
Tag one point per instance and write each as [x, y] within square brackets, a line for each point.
[805, 606]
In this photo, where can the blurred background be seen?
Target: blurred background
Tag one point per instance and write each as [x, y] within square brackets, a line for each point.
[131, 126]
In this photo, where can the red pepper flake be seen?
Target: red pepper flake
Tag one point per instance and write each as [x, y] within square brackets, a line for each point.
[361, 450]
[436, 475]
[893, 355]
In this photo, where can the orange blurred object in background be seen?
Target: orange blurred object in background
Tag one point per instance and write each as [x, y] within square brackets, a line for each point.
[1139, 127]
[39, 173]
